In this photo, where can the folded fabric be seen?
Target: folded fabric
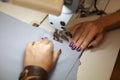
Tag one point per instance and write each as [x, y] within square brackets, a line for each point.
[14, 36]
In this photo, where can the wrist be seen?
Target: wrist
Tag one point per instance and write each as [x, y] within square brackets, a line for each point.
[99, 26]
[102, 24]
[109, 22]
[31, 72]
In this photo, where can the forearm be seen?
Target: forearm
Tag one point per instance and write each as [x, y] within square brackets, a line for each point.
[109, 22]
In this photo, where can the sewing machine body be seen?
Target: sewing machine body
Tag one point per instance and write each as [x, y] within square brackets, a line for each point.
[60, 11]
[67, 12]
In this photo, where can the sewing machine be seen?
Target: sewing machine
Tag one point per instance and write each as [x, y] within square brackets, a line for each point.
[60, 11]
[97, 64]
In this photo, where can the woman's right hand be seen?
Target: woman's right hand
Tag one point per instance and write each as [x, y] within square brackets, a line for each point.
[40, 53]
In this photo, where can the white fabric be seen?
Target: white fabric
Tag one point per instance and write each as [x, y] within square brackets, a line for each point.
[14, 36]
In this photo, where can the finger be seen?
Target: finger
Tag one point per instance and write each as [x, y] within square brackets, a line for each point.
[38, 42]
[45, 41]
[30, 43]
[51, 44]
[29, 46]
[87, 40]
[96, 41]
[82, 37]
[56, 55]
[33, 43]
[77, 34]
[74, 28]
[41, 40]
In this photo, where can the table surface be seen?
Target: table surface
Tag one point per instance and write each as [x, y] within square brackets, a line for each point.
[116, 71]
[97, 63]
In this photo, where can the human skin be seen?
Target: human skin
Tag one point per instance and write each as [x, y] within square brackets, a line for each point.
[91, 33]
[40, 53]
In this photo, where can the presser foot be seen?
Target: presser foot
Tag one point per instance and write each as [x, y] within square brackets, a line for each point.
[60, 35]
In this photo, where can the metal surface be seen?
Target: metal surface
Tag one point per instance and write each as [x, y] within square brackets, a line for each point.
[60, 35]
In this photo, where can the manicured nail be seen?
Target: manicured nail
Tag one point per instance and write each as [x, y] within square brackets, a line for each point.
[89, 47]
[33, 43]
[60, 51]
[78, 49]
[71, 44]
[73, 47]
[46, 38]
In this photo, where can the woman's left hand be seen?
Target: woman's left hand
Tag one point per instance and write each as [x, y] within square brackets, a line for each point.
[86, 34]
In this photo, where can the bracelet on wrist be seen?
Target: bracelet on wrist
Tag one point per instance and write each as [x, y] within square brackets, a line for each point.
[34, 71]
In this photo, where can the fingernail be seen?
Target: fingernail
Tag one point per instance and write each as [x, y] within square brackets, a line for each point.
[60, 51]
[68, 34]
[33, 43]
[73, 47]
[89, 47]
[78, 49]
[71, 44]
[46, 38]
